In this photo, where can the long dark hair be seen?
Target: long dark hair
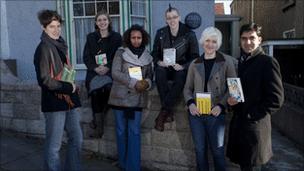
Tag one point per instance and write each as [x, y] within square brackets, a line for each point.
[108, 17]
[127, 35]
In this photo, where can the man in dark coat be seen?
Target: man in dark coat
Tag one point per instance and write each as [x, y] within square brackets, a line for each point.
[249, 143]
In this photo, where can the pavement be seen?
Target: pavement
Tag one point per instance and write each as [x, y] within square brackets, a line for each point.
[21, 153]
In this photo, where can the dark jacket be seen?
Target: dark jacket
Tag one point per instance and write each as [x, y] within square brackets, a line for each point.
[185, 44]
[249, 140]
[123, 93]
[55, 94]
[96, 45]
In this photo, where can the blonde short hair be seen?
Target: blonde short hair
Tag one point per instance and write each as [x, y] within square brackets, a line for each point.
[210, 32]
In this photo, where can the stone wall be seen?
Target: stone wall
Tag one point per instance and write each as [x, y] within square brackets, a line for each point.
[169, 150]
[289, 120]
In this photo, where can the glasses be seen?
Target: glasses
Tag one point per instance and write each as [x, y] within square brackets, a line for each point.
[173, 17]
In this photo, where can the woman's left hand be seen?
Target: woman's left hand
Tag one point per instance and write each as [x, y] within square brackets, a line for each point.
[216, 110]
[103, 70]
[178, 67]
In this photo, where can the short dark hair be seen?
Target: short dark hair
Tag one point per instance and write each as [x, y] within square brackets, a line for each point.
[127, 35]
[110, 28]
[45, 17]
[170, 9]
[251, 27]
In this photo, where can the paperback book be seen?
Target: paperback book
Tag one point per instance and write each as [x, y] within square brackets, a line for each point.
[135, 72]
[68, 74]
[203, 103]
[235, 89]
[101, 59]
[169, 56]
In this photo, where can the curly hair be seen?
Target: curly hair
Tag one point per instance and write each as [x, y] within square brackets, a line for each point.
[127, 36]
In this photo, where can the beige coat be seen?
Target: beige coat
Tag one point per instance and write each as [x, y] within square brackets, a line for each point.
[222, 69]
[123, 93]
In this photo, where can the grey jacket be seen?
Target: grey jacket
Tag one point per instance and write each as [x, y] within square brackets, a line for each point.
[223, 68]
[123, 93]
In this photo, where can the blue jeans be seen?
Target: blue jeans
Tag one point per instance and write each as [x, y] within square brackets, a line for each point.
[55, 124]
[128, 140]
[208, 128]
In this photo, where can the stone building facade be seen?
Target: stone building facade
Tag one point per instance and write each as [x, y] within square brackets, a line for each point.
[279, 19]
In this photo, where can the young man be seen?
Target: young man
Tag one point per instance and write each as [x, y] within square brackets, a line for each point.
[179, 38]
[59, 99]
[249, 143]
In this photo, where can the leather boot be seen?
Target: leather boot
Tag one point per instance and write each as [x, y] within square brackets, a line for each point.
[169, 117]
[160, 121]
[99, 130]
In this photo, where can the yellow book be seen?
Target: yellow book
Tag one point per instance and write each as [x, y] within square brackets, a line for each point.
[135, 72]
[203, 103]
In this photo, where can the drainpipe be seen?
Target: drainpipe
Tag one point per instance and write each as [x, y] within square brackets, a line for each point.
[252, 11]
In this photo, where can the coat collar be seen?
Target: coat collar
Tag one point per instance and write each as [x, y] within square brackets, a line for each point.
[143, 60]
[219, 61]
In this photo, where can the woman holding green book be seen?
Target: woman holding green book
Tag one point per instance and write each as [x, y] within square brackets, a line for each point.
[98, 55]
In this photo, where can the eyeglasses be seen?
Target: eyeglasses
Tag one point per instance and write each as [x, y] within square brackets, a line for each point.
[173, 18]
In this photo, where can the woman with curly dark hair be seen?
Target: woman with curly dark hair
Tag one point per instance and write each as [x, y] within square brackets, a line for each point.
[132, 75]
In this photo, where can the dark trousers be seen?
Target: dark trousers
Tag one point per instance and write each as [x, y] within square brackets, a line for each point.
[250, 168]
[99, 98]
[169, 94]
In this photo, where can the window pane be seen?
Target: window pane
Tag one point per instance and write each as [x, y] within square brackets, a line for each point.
[116, 24]
[101, 6]
[113, 7]
[137, 7]
[89, 9]
[139, 21]
[83, 26]
[78, 9]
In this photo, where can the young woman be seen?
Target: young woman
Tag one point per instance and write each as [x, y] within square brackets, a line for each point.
[128, 94]
[98, 55]
[60, 99]
[207, 74]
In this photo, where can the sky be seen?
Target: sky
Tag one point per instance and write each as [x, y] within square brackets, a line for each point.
[226, 5]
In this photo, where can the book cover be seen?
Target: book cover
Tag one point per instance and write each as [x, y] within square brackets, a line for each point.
[203, 103]
[169, 56]
[235, 89]
[68, 74]
[101, 59]
[135, 72]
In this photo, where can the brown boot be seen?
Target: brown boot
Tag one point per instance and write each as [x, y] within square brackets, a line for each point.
[169, 117]
[160, 121]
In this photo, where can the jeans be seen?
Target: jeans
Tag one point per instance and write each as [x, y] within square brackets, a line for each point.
[56, 123]
[208, 128]
[168, 95]
[128, 140]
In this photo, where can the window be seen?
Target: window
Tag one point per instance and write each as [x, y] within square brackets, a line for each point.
[289, 34]
[137, 12]
[79, 20]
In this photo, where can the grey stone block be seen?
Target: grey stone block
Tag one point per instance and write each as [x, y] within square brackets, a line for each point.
[32, 97]
[5, 123]
[35, 126]
[145, 137]
[90, 144]
[86, 114]
[182, 157]
[27, 111]
[6, 110]
[155, 154]
[18, 125]
[107, 148]
[172, 139]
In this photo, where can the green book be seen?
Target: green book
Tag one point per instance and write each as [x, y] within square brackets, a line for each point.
[68, 74]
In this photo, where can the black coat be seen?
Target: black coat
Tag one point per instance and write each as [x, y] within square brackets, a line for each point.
[185, 44]
[96, 45]
[52, 90]
[249, 141]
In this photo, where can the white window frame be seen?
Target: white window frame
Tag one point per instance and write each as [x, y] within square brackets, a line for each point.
[65, 8]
